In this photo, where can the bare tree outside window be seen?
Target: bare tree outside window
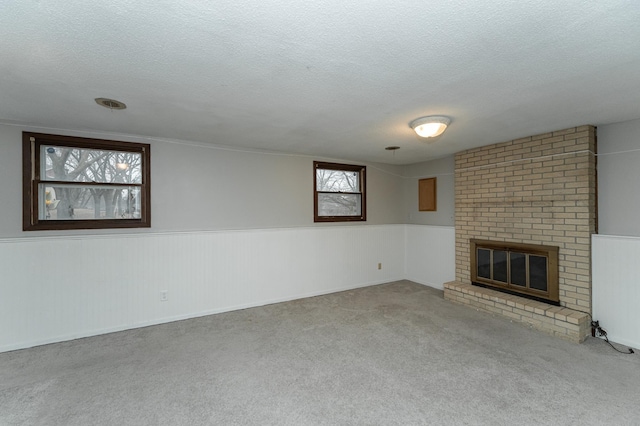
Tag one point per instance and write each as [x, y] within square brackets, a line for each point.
[77, 183]
[65, 164]
[339, 192]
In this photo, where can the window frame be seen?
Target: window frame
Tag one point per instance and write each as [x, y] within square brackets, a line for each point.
[31, 161]
[361, 170]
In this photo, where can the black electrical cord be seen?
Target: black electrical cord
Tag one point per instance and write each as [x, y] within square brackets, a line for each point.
[597, 331]
[601, 332]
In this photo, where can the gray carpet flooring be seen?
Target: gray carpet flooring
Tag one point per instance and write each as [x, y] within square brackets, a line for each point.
[393, 354]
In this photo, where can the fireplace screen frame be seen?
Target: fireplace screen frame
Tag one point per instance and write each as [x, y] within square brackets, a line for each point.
[551, 295]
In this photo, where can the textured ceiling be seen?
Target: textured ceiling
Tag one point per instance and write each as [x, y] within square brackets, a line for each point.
[327, 78]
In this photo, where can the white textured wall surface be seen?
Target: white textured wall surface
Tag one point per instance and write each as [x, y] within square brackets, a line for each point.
[60, 288]
[616, 287]
[430, 254]
[618, 178]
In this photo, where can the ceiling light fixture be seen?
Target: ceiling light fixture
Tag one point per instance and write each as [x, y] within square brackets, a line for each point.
[110, 103]
[430, 127]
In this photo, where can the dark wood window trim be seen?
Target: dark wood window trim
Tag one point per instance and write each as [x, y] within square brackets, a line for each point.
[361, 170]
[31, 143]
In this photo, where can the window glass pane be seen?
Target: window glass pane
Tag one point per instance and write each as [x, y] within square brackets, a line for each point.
[484, 263]
[74, 202]
[339, 205]
[89, 165]
[500, 265]
[538, 272]
[518, 269]
[337, 180]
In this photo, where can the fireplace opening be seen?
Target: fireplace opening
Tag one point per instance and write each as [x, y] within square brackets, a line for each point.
[526, 270]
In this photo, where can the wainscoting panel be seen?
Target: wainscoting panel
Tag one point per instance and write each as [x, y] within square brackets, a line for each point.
[60, 288]
[430, 254]
[616, 287]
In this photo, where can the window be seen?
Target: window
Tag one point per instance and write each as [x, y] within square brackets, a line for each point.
[339, 192]
[79, 183]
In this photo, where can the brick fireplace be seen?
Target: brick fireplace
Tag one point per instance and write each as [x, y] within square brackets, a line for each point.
[537, 190]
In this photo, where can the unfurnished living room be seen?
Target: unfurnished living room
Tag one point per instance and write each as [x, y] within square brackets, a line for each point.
[326, 213]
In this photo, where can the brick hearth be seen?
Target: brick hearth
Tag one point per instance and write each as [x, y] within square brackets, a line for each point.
[561, 322]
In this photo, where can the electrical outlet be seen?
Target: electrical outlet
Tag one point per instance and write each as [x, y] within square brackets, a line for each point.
[164, 296]
[379, 265]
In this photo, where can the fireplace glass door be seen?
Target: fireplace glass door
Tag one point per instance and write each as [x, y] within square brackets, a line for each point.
[520, 268]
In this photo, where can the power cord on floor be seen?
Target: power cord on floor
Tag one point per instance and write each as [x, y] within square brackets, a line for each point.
[597, 331]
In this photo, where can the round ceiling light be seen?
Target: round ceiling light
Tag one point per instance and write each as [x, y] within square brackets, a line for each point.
[110, 103]
[430, 127]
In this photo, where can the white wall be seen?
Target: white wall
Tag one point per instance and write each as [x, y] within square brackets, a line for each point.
[430, 254]
[443, 169]
[60, 288]
[229, 230]
[207, 187]
[615, 252]
[619, 178]
[616, 289]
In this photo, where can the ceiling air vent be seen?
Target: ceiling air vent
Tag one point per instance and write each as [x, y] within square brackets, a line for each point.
[110, 103]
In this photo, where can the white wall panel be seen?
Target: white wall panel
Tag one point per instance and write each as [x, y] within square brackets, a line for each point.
[59, 288]
[616, 287]
[430, 254]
